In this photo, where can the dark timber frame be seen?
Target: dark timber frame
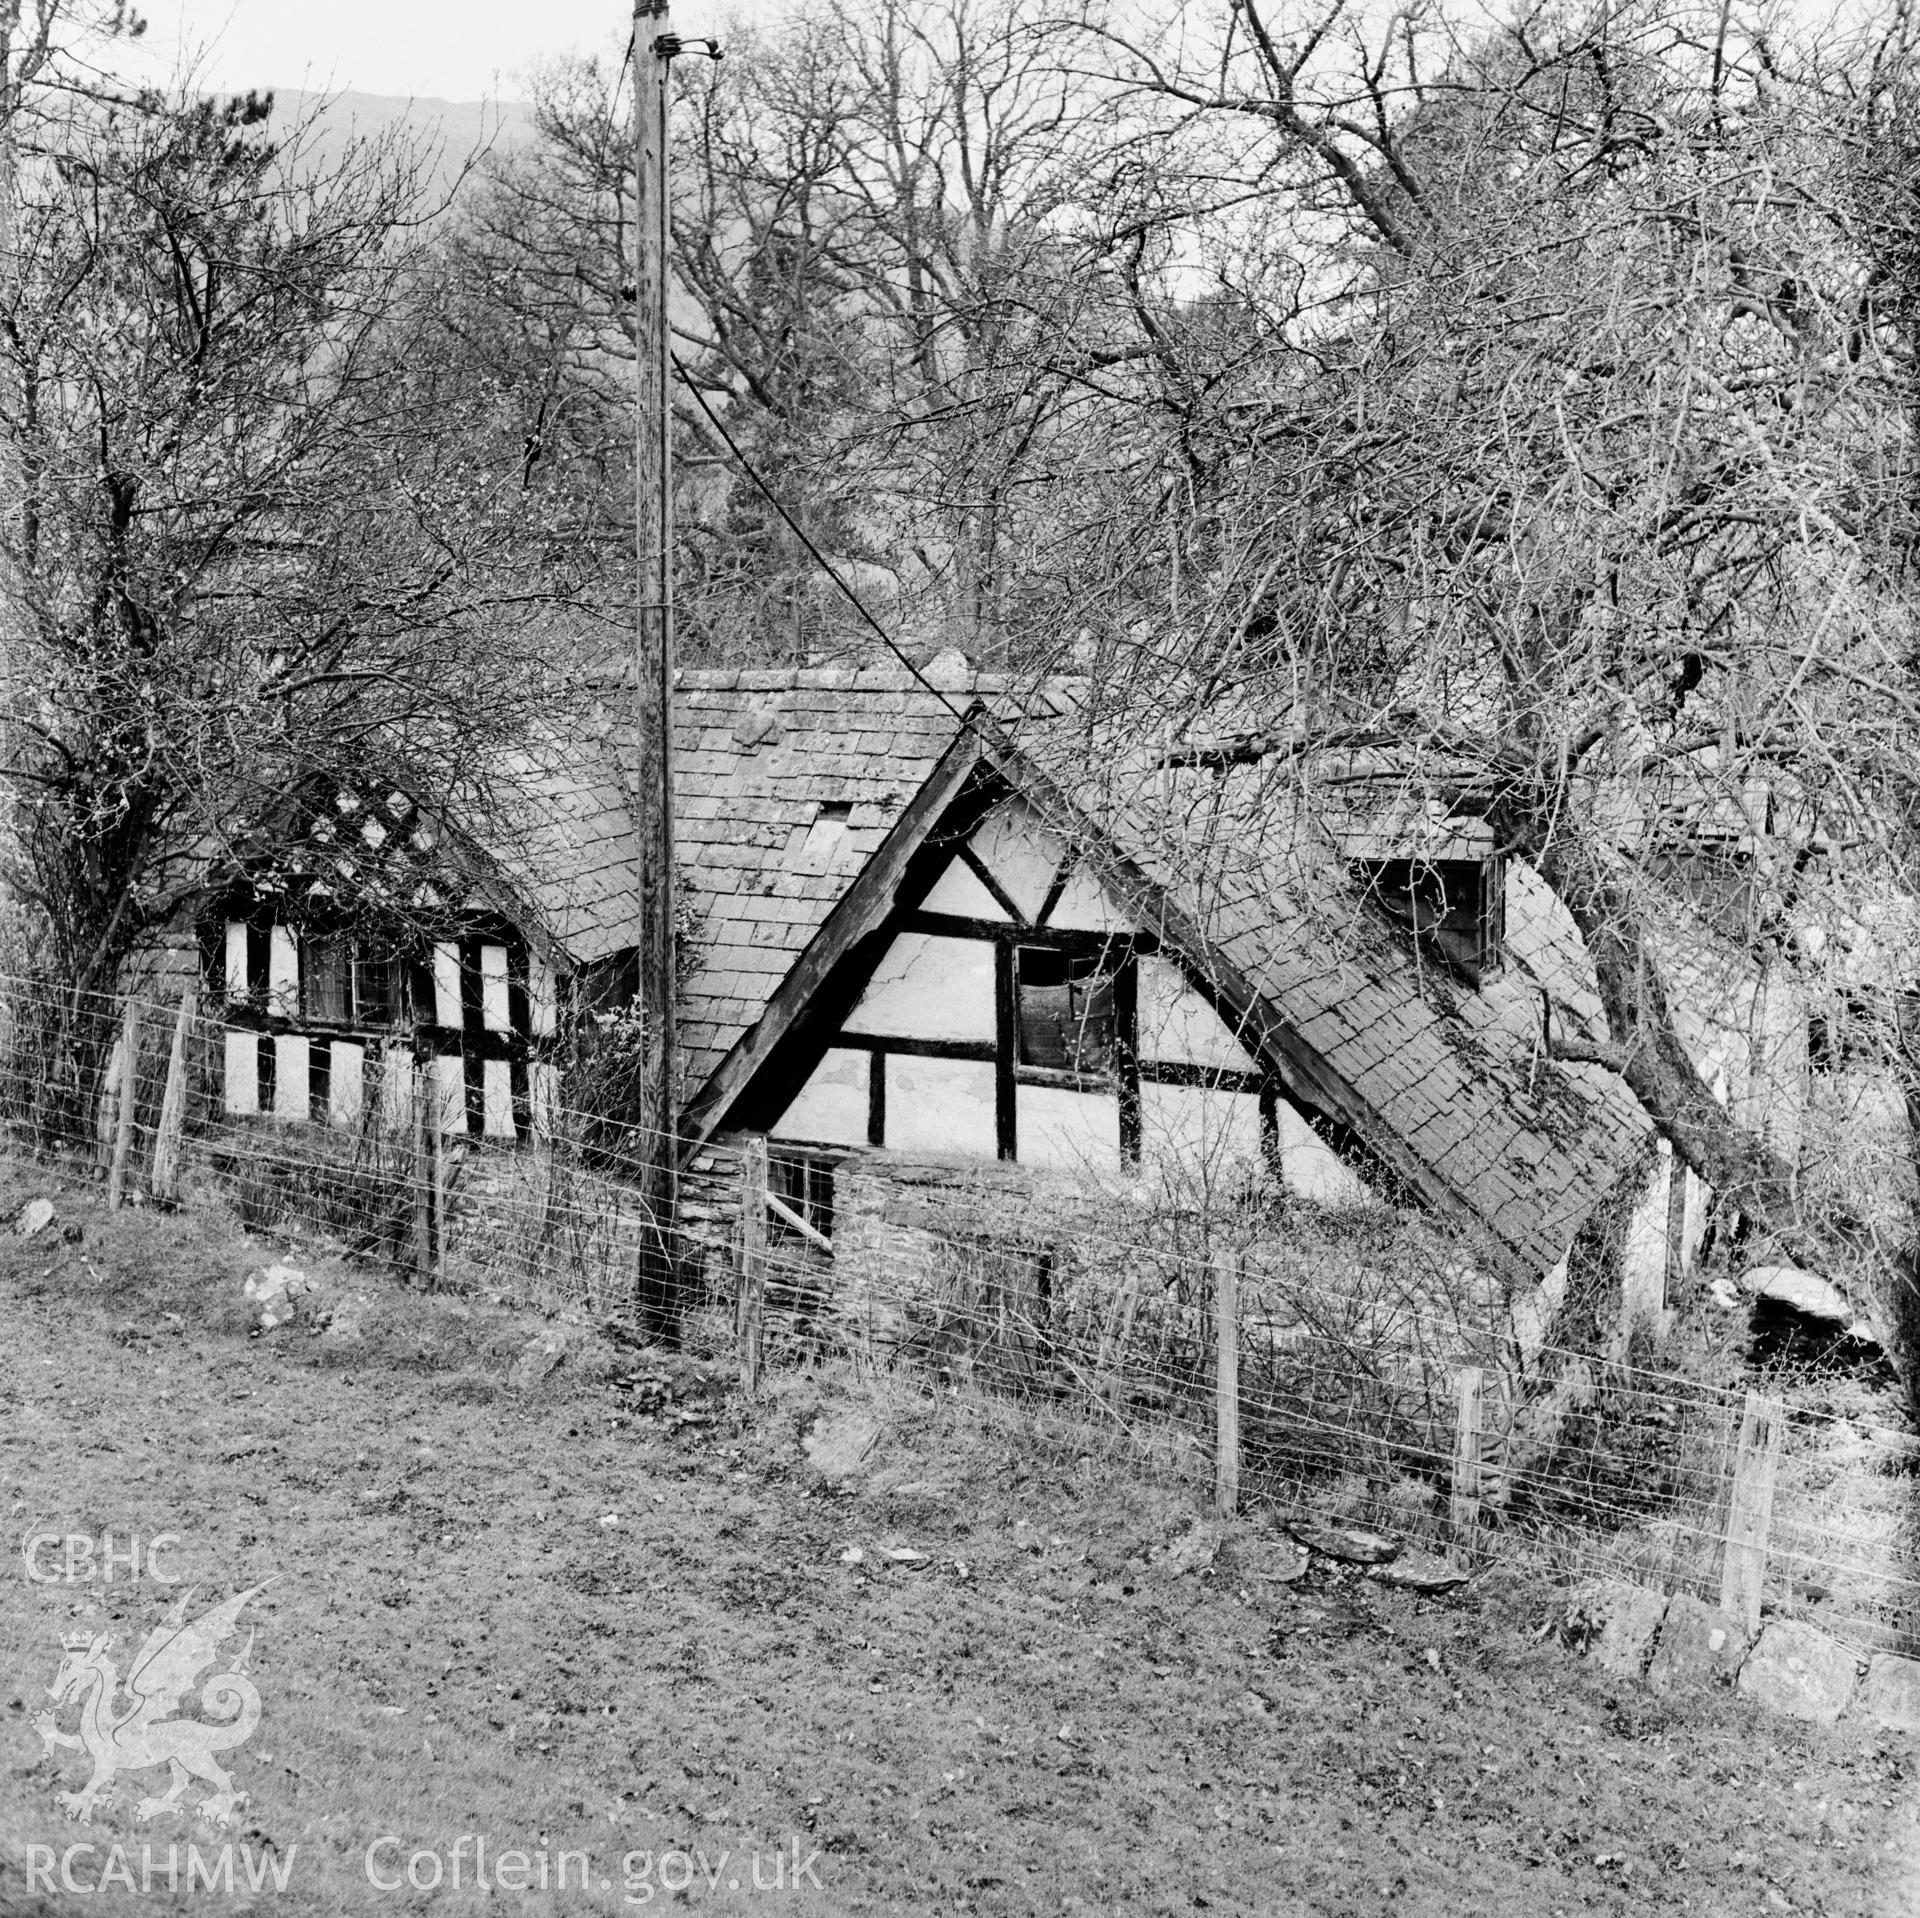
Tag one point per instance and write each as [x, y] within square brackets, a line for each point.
[752, 1085]
[416, 1029]
[790, 1058]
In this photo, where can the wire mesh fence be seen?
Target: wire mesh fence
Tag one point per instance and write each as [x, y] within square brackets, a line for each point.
[1352, 1334]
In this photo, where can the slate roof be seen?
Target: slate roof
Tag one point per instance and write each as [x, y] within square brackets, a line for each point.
[1453, 1073]
[788, 781]
[760, 758]
[557, 825]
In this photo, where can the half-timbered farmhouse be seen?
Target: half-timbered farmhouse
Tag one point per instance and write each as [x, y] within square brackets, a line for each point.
[355, 932]
[925, 935]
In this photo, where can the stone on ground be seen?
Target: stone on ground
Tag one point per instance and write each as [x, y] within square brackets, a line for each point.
[1799, 1671]
[1422, 1572]
[1346, 1543]
[1277, 1560]
[1193, 1551]
[1891, 1693]
[1696, 1643]
[1628, 1617]
[836, 1443]
[536, 1359]
[35, 1216]
[274, 1292]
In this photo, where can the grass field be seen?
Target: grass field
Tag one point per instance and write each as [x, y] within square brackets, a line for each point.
[548, 1621]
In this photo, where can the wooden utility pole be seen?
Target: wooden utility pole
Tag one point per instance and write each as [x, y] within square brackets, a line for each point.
[658, 1278]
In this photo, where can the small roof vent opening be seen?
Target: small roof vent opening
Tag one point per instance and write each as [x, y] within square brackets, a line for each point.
[826, 838]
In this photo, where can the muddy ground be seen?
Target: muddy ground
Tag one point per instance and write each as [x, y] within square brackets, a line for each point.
[619, 1613]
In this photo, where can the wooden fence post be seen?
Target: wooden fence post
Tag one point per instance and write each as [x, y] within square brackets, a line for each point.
[750, 1307]
[1743, 1563]
[164, 1183]
[437, 1150]
[1226, 1385]
[106, 1118]
[1469, 1409]
[422, 1177]
[129, 1077]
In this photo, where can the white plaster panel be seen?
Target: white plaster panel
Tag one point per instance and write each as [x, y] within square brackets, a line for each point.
[542, 998]
[929, 987]
[496, 1077]
[1076, 1130]
[450, 1092]
[291, 1090]
[346, 1083]
[958, 890]
[1178, 1027]
[543, 1093]
[243, 1073]
[1643, 1254]
[396, 1089]
[283, 972]
[831, 1108]
[941, 1105]
[1693, 1224]
[1083, 906]
[1200, 1130]
[1021, 853]
[236, 960]
[493, 989]
[446, 984]
[1533, 1311]
[1311, 1167]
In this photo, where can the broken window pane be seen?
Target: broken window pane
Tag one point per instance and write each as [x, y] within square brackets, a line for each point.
[804, 1185]
[1065, 1011]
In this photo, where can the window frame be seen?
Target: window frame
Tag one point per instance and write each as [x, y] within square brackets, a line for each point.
[1380, 881]
[338, 946]
[359, 955]
[813, 1196]
[1104, 966]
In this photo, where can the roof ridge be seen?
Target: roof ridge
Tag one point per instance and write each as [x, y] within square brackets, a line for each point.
[941, 681]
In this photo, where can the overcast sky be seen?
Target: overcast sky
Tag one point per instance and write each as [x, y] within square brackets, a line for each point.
[434, 49]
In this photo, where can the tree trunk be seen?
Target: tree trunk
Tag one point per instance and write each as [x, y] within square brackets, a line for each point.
[1645, 1049]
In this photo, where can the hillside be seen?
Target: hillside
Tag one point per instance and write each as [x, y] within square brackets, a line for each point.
[612, 1610]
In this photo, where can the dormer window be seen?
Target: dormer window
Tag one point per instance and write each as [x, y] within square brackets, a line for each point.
[1455, 907]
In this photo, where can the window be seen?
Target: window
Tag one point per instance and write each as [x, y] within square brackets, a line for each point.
[803, 1183]
[346, 983]
[326, 984]
[1456, 905]
[1064, 1012]
[376, 988]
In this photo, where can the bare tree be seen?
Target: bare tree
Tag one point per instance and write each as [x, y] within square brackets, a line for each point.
[1578, 459]
[242, 547]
